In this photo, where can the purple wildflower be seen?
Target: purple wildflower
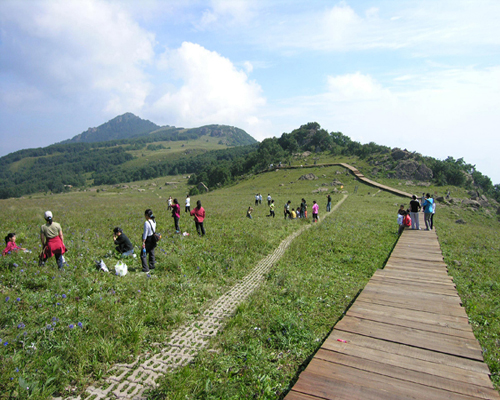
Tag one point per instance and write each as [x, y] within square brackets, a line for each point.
[18, 299]
[7, 298]
[80, 325]
[71, 326]
[63, 296]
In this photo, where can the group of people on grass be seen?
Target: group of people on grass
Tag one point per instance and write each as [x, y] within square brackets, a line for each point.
[409, 218]
[288, 211]
[52, 239]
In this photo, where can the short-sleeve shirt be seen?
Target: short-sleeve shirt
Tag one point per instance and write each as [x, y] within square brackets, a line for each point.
[52, 230]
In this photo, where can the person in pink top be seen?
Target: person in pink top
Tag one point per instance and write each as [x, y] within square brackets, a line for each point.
[199, 216]
[176, 214]
[11, 246]
[315, 210]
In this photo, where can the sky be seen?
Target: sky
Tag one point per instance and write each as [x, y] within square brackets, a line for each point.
[419, 75]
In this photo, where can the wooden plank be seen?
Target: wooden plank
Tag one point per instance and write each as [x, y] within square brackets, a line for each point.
[320, 371]
[292, 395]
[422, 339]
[389, 319]
[414, 276]
[430, 307]
[415, 364]
[406, 374]
[415, 286]
[408, 351]
[452, 322]
[397, 278]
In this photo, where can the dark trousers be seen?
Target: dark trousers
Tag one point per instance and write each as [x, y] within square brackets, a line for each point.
[176, 221]
[200, 228]
[188, 208]
[432, 221]
[150, 250]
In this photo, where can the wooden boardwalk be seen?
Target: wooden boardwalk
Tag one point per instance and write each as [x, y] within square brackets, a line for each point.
[405, 337]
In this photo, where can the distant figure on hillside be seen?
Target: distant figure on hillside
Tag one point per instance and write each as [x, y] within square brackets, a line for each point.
[269, 198]
[328, 203]
[257, 199]
[299, 212]
[271, 209]
[249, 212]
[315, 210]
[199, 216]
[260, 198]
[148, 241]
[286, 209]
[293, 214]
[52, 239]
[10, 245]
[169, 202]
[428, 208]
[176, 214]
[303, 207]
[414, 210]
[188, 204]
[123, 244]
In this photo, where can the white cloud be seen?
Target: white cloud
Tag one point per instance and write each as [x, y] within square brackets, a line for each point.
[227, 12]
[208, 89]
[355, 87]
[80, 51]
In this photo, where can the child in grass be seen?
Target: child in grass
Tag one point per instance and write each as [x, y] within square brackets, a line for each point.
[249, 212]
[123, 244]
[315, 209]
[11, 246]
[293, 214]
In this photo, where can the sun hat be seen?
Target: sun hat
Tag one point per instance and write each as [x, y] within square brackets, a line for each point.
[48, 214]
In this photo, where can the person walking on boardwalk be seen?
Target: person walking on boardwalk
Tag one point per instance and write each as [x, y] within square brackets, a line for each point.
[148, 241]
[187, 204]
[428, 207]
[414, 210]
[51, 236]
[176, 214]
[433, 212]
[271, 209]
[199, 216]
[315, 210]
[123, 244]
[328, 203]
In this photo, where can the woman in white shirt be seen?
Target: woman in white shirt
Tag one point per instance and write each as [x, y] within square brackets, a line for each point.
[148, 241]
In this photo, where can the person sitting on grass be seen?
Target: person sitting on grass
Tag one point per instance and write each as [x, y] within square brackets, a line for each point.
[123, 244]
[293, 214]
[199, 216]
[249, 212]
[11, 246]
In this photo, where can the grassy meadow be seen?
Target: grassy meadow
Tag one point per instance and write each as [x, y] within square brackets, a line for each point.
[62, 330]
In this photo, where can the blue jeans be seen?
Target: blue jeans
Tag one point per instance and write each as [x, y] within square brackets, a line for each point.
[328, 206]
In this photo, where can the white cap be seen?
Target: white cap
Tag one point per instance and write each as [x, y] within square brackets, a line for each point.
[48, 214]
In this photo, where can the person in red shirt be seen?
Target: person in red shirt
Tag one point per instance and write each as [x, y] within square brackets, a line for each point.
[199, 216]
[10, 241]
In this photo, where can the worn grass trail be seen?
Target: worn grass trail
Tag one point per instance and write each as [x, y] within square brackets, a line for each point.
[129, 381]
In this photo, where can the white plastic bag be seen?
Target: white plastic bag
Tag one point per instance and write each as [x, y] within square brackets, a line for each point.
[121, 268]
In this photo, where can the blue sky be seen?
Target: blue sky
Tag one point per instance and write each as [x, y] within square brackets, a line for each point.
[422, 75]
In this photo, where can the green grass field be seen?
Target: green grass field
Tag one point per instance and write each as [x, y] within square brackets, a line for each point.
[63, 330]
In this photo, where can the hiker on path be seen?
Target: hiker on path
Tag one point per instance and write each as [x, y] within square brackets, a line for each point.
[249, 212]
[269, 198]
[315, 210]
[199, 216]
[414, 210]
[433, 212]
[176, 214]
[188, 204]
[271, 209]
[148, 241]
[10, 245]
[52, 239]
[123, 244]
[428, 207]
[328, 203]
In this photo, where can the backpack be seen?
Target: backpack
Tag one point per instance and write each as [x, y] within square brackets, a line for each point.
[407, 220]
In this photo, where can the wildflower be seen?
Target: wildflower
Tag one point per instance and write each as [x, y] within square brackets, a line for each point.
[17, 369]
[63, 296]
[6, 343]
[25, 333]
[20, 326]
[18, 299]
[58, 304]
[55, 319]
[49, 327]
[71, 326]
[7, 298]
[80, 325]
